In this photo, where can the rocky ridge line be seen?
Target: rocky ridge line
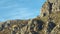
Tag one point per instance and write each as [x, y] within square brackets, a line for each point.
[47, 23]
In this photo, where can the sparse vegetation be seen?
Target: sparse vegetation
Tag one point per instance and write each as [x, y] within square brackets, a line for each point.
[47, 23]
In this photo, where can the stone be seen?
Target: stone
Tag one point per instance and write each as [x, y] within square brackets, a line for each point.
[48, 22]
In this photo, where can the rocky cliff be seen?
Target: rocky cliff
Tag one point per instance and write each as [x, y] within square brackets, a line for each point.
[47, 23]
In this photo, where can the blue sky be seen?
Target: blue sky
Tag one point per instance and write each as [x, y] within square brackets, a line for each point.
[19, 9]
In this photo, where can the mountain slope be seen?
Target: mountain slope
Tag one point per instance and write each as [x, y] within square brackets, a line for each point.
[47, 23]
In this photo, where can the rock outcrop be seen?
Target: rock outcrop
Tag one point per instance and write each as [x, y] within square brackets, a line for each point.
[47, 23]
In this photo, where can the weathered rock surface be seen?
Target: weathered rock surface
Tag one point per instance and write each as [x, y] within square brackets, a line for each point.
[47, 23]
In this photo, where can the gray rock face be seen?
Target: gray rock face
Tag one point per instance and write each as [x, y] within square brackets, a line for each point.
[50, 6]
[47, 23]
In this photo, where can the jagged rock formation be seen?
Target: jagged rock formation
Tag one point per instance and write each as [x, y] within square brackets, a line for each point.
[47, 23]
